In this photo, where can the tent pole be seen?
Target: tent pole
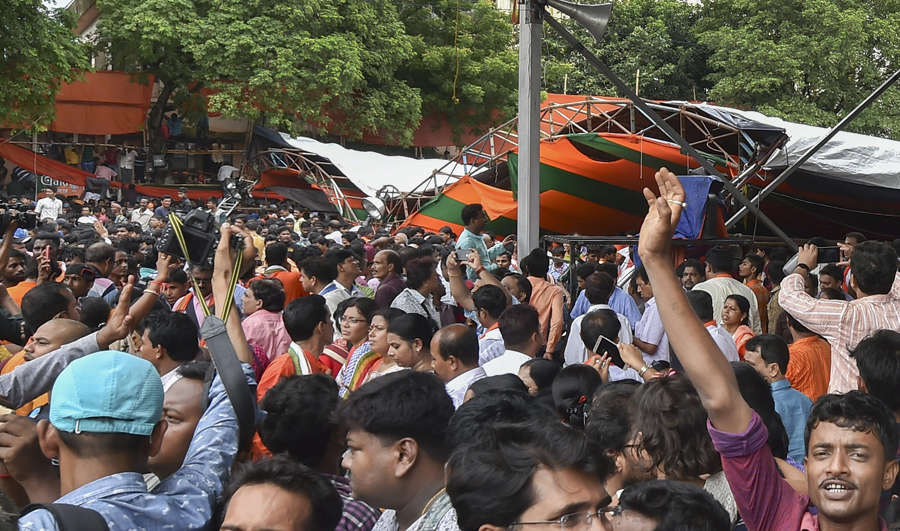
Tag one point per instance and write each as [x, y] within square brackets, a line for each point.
[811, 151]
[665, 127]
[529, 180]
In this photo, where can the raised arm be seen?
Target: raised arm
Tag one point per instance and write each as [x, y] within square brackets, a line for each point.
[222, 271]
[458, 287]
[703, 363]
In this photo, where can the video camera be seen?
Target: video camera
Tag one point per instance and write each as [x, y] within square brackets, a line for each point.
[24, 220]
[201, 236]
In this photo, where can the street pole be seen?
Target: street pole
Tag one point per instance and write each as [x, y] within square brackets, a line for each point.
[529, 178]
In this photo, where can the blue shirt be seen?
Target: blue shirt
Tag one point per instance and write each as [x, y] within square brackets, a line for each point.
[470, 240]
[184, 500]
[619, 301]
[793, 408]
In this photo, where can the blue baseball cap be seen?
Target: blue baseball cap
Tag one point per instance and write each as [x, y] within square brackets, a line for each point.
[107, 392]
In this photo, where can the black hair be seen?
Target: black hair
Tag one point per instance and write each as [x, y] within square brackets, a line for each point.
[602, 323]
[491, 482]
[536, 264]
[393, 259]
[338, 255]
[462, 345]
[419, 271]
[517, 324]
[696, 264]
[301, 316]
[178, 275]
[701, 303]
[858, 236]
[758, 395]
[364, 305]
[174, 331]
[874, 266]
[491, 299]
[99, 252]
[101, 445]
[322, 269]
[470, 212]
[543, 372]
[573, 390]
[300, 417]
[878, 360]
[832, 294]
[42, 303]
[196, 370]
[795, 324]
[524, 286]
[497, 383]
[294, 477]
[670, 417]
[641, 273]
[832, 271]
[412, 326]
[270, 292]
[720, 260]
[772, 349]
[473, 419]
[585, 270]
[609, 268]
[676, 506]
[51, 237]
[276, 253]
[598, 287]
[94, 312]
[402, 404]
[858, 411]
[609, 420]
[775, 271]
[743, 305]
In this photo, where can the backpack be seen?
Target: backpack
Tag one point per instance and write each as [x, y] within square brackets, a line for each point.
[71, 517]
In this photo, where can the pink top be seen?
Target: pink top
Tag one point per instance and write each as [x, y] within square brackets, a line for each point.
[266, 330]
[842, 323]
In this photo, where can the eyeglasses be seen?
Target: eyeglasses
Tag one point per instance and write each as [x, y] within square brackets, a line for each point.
[352, 320]
[577, 520]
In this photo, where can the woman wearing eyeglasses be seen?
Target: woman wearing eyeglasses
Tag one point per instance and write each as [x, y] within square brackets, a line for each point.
[354, 315]
[369, 360]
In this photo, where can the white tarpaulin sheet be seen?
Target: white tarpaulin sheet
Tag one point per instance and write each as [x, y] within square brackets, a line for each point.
[369, 170]
[851, 157]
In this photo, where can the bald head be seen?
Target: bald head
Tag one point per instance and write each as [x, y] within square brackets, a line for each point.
[458, 341]
[52, 335]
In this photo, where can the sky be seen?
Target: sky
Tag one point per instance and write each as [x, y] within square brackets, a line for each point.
[56, 3]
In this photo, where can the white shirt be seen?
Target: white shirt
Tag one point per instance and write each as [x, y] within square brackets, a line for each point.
[725, 342]
[128, 159]
[48, 208]
[411, 301]
[650, 330]
[490, 346]
[576, 352]
[458, 386]
[169, 379]
[225, 172]
[508, 363]
[719, 288]
[142, 216]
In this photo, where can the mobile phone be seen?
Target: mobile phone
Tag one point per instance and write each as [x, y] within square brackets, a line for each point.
[46, 253]
[462, 255]
[829, 255]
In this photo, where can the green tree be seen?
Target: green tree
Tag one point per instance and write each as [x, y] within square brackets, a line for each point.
[327, 63]
[653, 36]
[38, 54]
[464, 61]
[808, 61]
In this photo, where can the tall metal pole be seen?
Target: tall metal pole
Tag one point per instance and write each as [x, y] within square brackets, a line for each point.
[812, 151]
[529, 174]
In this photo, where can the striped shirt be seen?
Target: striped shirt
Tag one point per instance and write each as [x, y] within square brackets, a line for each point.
[842, 323]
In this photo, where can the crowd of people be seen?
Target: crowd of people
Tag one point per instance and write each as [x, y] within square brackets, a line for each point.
[410, 380]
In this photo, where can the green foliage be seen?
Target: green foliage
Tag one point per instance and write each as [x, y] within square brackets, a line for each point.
[477, 37]
[38, 53]
[809, 61]
[653, 36]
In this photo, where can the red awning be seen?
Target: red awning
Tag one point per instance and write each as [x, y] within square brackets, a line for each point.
[103, 103]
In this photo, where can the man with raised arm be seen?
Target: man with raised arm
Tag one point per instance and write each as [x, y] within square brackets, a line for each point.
[851, 440]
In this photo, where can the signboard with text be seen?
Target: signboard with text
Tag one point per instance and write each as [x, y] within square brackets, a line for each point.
[63, 188]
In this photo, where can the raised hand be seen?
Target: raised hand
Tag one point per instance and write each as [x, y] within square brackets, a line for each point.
[631, 356]
[662, 217]
[808, 254]
[120, 321]
[163, 262]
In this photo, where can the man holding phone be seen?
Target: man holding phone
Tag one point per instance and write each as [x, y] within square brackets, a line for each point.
[874, 277]
[475, 219]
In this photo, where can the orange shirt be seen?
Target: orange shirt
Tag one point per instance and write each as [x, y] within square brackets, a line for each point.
[293, 289]
[281, 367]
[809, 367]
[19, 290]
[42, 400]
[762, 302]
[547, 299]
